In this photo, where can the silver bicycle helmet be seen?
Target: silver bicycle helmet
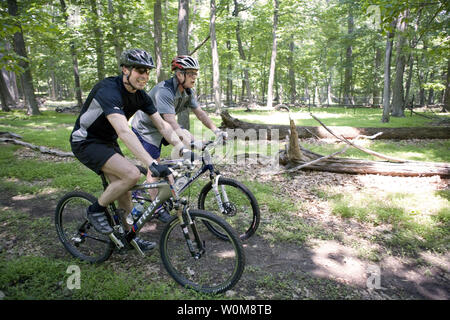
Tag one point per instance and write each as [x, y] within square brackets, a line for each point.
[136, 58]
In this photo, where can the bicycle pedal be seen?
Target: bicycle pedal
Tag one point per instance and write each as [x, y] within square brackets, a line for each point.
[136, 246]
[116, 241]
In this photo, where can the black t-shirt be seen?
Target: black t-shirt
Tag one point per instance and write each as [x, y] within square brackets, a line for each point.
[107, 97]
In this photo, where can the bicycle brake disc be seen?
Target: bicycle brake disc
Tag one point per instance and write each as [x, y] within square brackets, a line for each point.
[230, 209]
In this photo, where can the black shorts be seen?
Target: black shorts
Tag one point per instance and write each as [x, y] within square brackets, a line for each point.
[95, 154]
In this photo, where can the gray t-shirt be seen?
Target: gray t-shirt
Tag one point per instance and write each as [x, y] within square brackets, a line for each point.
[167, 99]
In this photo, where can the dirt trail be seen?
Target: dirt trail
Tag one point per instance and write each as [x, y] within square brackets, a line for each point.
[319, 269]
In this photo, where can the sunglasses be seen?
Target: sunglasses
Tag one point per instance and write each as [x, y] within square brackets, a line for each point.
[191, 73]
[142, 70]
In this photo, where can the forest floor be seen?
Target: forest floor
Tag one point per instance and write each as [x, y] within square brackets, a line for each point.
[340, 266]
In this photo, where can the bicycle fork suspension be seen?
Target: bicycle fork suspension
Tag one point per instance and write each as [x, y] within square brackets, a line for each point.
[187, 223]
[215, 187]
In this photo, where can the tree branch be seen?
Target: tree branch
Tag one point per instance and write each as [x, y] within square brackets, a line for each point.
[380, 155]
[198, 47]
[32, 146]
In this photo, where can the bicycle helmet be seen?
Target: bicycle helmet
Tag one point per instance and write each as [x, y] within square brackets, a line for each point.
[185, 62]
[136, 58]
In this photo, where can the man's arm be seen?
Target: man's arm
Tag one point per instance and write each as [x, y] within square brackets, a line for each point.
[169, 133]
[203, 117]
[185, 136]
[120, 125]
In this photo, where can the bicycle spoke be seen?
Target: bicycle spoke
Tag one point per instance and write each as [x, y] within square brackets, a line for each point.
[76, 233]
[214, 266]
[240, 208]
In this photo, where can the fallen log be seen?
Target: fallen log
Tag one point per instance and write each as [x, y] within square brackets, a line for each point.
[346, 132]
[38, 148]
[359, 166]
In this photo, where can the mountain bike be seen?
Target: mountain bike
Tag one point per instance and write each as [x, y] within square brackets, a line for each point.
[190, 252]
[226, 197]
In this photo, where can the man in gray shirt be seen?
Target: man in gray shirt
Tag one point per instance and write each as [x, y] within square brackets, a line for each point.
[170, 98]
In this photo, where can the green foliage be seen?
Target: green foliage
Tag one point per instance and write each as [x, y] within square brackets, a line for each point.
[318, 30]
[40, 278]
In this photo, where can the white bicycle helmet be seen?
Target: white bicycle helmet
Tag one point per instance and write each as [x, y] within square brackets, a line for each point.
[185, 62]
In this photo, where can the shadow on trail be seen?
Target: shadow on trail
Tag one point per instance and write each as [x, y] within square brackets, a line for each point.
[325, 269]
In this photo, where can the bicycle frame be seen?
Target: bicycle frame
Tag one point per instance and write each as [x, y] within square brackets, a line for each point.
[214, 176]
[165, 192]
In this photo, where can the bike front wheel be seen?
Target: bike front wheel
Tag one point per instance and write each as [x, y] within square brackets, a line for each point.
[200, 260]
[240, 207]
[76, 233]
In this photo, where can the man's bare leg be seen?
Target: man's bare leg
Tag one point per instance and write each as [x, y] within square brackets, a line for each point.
[124, 202]
[123, 175]
[153, 192]
[163, 215]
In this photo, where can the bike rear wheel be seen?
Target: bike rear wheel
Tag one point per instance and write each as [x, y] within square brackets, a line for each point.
[241, 207]
[219, 265]
[76, 233]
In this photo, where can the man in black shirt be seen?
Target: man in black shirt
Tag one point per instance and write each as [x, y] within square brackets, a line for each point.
[103, 119]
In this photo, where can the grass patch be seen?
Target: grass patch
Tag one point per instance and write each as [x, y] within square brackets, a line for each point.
[280, 220]
[416, 225]
[64, 176]
[333, 116]
[40, 278]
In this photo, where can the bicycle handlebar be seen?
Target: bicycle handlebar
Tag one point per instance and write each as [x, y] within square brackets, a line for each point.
[185, 163]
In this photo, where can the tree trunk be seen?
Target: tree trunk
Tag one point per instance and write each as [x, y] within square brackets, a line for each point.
[157, 16]
[229, 77]
[73, 52]
[276, 83]
[273, 57]
[375, 89]
[347, 132]
[398, 100]
[431, 90]
[422, 67]
[183, 49]
[408, 81]
[357, 166]
[52, 85]
[387, 75]
[10, 78]
[115, 34]
[215, 58]
[76, 76]
[294, 152]
[349, 59]
[98, 41]
[293, 92]
[242, 55]
[26, 77]
[5, 96]
[447, 88]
